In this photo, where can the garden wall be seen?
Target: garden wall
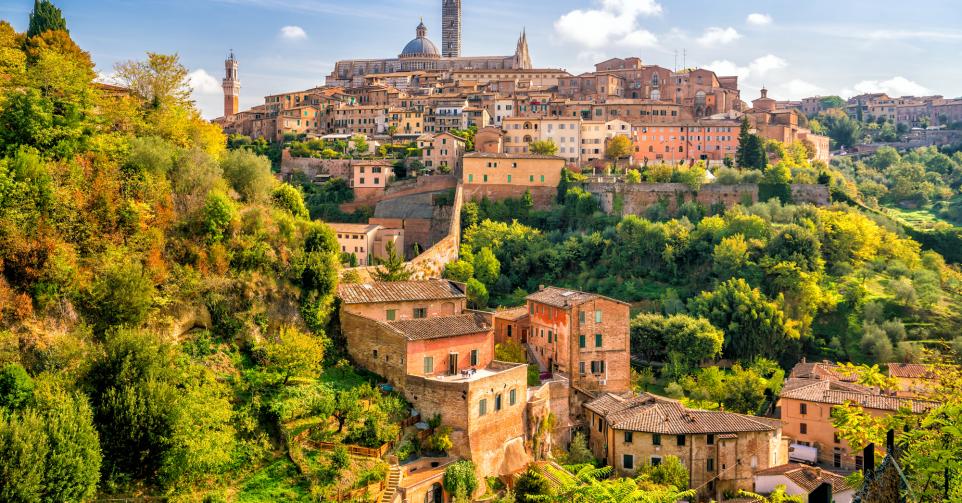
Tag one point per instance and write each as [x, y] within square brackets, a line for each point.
[633, 199]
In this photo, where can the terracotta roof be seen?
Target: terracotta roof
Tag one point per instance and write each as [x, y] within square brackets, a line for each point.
[562, 297]
[399, 291]
[354, 228]
[512, 314]
[833, 392]
[492, 155]
[443, 326]
[821, 370]
[654, 414]
[911, 370]
[807, 477]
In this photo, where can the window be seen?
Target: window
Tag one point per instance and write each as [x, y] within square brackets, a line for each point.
[600, 425]
[710, 440]
[597, 316]
[474, 357]
[803, 428]
[655, 439]
[836, 438]
[497, 402]
[680, 439]
[803, 408]
[581, 316]
[483, 407]
[470, 178]
[420, 313]
[391, 314]
[581, 368]
[598, 340]
[581, 341]
[837, 460]
[628, 462]
[628, 437]
[710, 464]
[485, 178]
[375, 353]
[509, 178]
[428, 364]
[549, 336]
[542, 178]
[655, 461]
[512, 397]
[859, 463]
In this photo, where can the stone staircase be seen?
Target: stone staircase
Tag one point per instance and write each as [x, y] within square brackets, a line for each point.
[393, 481]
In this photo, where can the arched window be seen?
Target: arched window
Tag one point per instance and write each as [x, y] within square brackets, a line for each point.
[700, 98]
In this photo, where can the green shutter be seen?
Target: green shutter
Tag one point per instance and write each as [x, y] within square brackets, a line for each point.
[581, 341]
[597, 340]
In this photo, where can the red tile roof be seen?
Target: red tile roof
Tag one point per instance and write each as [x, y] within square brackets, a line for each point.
[399, 291]
[654, 414]
[911, 370]
[807, 477]
[564, 297]
[833, 392]
[444, 326]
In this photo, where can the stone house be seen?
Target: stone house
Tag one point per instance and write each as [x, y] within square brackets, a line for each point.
[805, 408]
[914, 379]
[442, 150]
[721, 450]
[584, 336]
[367, 242]
[419, 336]
[801, 480]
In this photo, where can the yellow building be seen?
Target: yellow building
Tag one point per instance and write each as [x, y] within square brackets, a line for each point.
[525, 170]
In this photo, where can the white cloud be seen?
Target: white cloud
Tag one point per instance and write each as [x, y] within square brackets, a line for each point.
[202, 82]
[759, 67]
[797, 89]
[759, 19]
[718, 36]
[613, 22]
[293, 33]
[896, 86]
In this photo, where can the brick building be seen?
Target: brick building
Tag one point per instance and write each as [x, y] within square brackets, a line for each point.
[367, 242]
[419, 336]
[683, 142]
[805, 407]
[582, 335]
[443, 150]
[721, 450]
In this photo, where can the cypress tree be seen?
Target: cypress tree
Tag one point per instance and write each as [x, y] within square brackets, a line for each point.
[744, 136]
[45, 17]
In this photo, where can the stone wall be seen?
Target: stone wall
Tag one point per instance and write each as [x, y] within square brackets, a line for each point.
[337, 168]
[634, 199]
[431, 263]
[549, 398]
[543, 197]
[375, 346]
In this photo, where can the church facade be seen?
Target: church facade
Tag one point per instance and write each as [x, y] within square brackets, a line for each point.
[420, 54]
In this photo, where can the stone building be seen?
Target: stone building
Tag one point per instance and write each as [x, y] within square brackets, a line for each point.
[231, 86]
[914, 379]
[783, 125]
[419, 336]
[582, 335]
[805, 407]
[801, 480]
[685, 142]
[500, 176]
[421, 54]
[367, 242]
[442, 151]
[721, 450]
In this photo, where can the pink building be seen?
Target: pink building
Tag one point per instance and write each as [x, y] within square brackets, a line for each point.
[443, 150]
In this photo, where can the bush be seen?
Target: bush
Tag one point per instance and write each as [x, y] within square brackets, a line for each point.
[460, 479]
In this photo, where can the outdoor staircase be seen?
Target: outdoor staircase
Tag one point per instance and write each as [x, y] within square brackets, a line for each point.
[393, 481]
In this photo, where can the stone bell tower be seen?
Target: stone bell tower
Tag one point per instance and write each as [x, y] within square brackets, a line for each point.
[451, 28]
[231, 86]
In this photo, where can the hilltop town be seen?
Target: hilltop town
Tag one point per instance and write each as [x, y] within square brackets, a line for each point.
[444, 278]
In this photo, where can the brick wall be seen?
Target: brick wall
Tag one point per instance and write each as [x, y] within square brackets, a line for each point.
[543, 197]
[405, 309]
[615, 352]
[337, 168]
[365, 336]
[634, 199]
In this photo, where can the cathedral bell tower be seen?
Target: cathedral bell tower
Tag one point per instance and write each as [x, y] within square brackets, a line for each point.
[231, 86]
[451, 28]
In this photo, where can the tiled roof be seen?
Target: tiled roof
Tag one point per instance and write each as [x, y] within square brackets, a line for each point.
[353, 228]
[654, 414]
[911, 370]
[493, 155]
[512, 314]
[444, 326]
[832, 392]
[807, 477]
[563, 297]
[399, 291]
[821, 370]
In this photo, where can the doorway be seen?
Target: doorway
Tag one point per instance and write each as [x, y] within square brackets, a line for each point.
[452, 363]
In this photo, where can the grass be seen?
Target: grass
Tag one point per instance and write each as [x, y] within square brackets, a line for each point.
[347, 377]
[278, 481]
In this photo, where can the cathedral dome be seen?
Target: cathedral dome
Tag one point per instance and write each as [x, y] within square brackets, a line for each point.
[421, 47]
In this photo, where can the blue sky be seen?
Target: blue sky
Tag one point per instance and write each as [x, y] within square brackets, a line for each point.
[796, 49]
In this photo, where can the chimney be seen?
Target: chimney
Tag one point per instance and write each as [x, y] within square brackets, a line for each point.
[540, 287]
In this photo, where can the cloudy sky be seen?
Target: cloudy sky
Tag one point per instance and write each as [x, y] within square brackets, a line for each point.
[796, 49]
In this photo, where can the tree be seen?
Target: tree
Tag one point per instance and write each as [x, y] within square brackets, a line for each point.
[578, 451]
[689, 340]
[161, 81]
[460, 270]
[249, 174]
[23, 449]
[530, 483]
[487, 269]
[360, 144]
[744, 391]
[477, 294]
[751, 148]
[543, 147]
[122, 294]
[633, 176]
[671, 472]
[618, 148]
[730, 257]
[45, 17]
[219, 215]
[777, 496]
[290, 199]
[393, 268]
[16, 387]
[510, 351]
[460, 480]
[753, 325]
[293, 353]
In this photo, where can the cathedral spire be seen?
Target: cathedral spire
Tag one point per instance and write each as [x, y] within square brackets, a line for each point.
[521, 55]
